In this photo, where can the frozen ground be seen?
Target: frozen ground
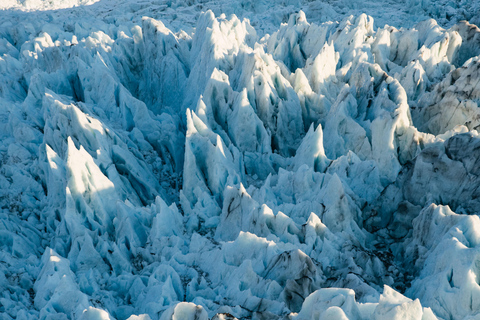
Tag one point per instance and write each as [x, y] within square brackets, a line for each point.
[296, 160]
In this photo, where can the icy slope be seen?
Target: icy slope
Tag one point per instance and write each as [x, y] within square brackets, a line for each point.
[321, 171]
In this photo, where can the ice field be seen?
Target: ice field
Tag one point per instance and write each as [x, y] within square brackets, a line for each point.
[200, 159]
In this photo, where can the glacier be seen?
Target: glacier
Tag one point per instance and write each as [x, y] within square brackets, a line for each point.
[239, 160]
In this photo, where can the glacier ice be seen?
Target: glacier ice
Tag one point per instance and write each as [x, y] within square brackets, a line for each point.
[194, 165]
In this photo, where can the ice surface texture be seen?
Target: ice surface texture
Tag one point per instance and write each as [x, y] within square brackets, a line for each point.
[324, 171]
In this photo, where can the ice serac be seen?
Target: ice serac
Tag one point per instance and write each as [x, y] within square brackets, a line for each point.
[311, 152]
[318, 171]
[163, 57]
[453, 102]
[448, 167]
[214, 46]
[57, 290]
[449, 266]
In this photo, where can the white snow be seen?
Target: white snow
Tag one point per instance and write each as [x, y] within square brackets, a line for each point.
[239, 159]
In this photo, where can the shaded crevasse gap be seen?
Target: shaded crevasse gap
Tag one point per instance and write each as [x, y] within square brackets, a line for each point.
[311, 173]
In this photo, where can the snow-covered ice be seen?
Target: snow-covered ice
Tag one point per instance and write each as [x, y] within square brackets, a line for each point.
[239, 159]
